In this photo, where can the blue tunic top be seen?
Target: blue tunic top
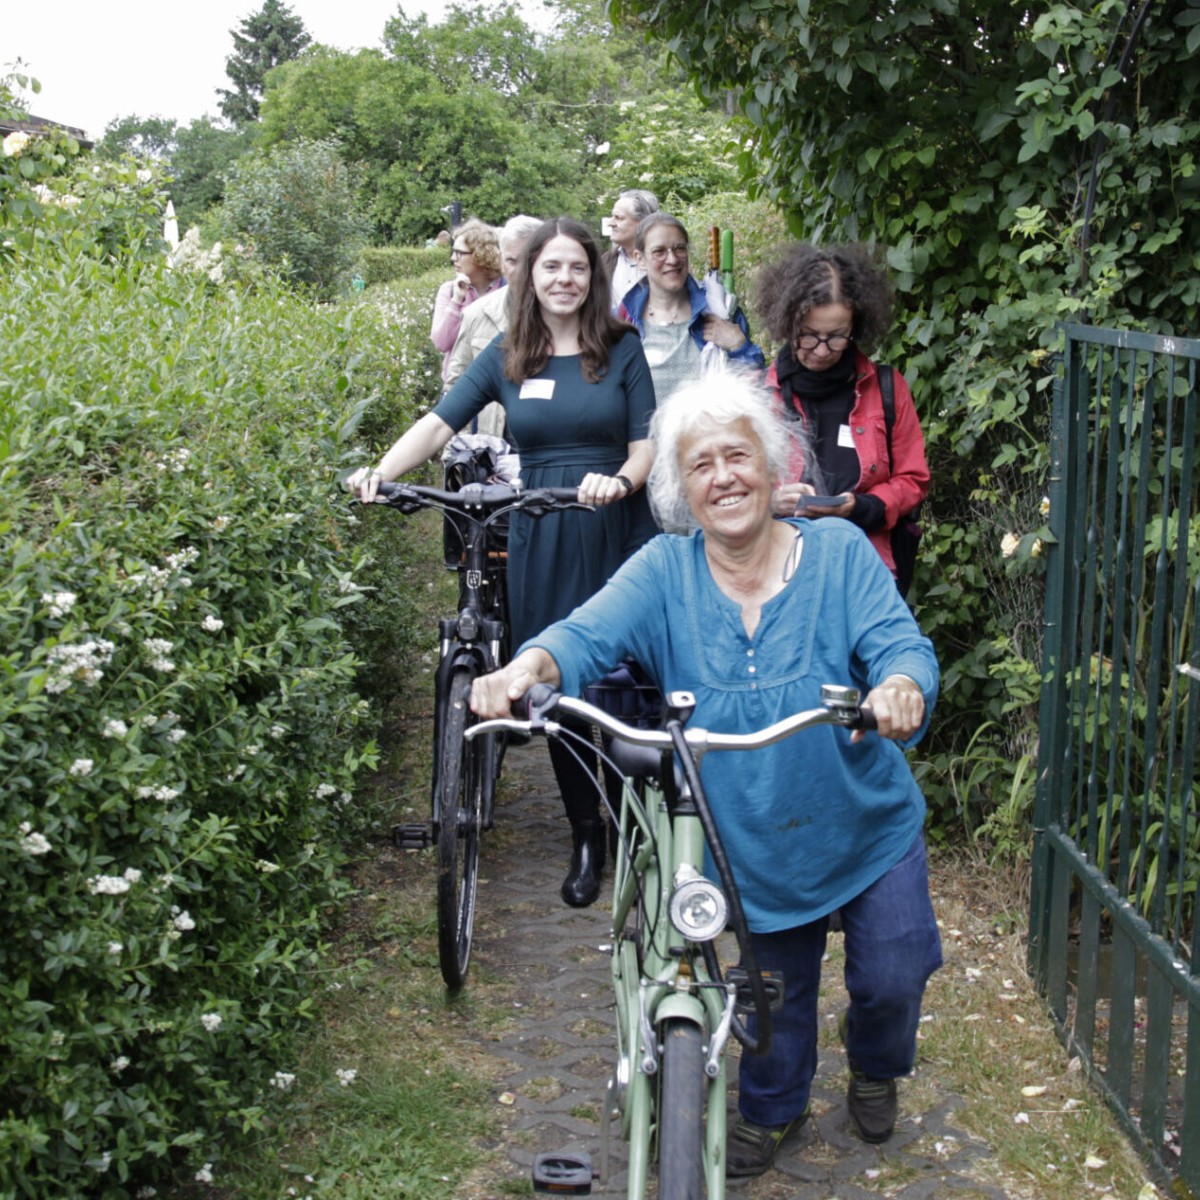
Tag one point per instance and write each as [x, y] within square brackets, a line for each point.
[563, 428]
[812, 821]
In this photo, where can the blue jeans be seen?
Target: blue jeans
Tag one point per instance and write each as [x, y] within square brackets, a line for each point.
[892, 947]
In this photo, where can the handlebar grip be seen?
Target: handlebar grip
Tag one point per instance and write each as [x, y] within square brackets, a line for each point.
[865, 720]
[566, 495]
[537, 702]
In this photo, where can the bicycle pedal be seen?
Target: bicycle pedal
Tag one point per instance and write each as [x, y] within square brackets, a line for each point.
[413, 836]
[563, 1174]
[772, 985]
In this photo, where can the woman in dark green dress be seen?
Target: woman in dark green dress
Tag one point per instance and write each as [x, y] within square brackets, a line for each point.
[578, 398]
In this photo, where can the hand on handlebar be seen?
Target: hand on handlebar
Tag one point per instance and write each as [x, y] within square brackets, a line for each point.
[363, 484]
[899, 708]
[492, 695]
[598, 490]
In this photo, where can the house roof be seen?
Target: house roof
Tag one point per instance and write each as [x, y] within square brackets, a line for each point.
[31, 124]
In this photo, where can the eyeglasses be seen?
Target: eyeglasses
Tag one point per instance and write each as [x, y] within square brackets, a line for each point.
[835, 343]
[659, 253]
[457, 253]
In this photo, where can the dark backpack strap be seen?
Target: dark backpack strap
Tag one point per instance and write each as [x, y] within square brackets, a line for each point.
[887, 390]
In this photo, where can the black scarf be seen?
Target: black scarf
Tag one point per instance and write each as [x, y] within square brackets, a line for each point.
[796, 379]
[825, 398]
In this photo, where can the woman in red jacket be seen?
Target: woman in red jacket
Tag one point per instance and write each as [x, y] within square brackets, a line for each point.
[830, 306]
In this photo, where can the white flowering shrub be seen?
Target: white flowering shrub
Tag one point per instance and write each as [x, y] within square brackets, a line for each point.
[180, 732]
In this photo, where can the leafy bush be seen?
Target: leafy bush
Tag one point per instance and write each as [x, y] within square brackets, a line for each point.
[390, 264]
[179, 730]
[297, 206]
[674, 145]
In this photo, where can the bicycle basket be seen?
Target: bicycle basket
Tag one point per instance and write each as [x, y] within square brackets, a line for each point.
[474, 458]
[628, 694]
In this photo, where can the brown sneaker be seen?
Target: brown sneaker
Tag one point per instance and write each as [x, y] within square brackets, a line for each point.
[872, 1102]
[872, 1105]
[750, 1149]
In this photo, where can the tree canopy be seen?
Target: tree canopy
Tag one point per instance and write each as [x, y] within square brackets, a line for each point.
[271, 36]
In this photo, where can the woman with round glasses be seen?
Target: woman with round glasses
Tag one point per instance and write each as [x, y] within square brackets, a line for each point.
[831, 306]
[475, 257]
[672, 311]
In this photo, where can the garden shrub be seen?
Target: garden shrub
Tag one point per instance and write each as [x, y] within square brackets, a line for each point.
[179, 727]
[391, 264]
[297, 209]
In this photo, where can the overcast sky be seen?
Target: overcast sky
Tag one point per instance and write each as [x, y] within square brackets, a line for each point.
[100, 59]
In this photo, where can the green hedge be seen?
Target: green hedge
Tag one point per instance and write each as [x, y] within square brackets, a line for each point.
[179, 726]
[389, 264]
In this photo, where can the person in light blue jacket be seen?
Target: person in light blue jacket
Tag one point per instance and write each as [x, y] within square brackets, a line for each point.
[752, 614]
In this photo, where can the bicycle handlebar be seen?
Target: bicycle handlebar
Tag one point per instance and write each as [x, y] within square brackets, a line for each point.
[839, 707]
[478, 496]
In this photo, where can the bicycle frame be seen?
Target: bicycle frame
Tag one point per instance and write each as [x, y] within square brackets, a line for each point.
[471, 643]
[667, 977]
[659, 976]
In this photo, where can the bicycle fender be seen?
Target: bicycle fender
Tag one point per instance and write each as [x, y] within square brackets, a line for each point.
[681, 1007]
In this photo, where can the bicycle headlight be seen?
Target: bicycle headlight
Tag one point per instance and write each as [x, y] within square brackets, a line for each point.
[698, 909]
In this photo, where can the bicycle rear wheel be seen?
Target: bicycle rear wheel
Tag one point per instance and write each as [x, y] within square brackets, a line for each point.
[681, 1113]
[460, 809]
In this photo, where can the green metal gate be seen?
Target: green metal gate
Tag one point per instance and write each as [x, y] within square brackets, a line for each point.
[1113, 932]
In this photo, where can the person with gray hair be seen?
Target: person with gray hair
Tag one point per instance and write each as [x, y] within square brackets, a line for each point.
[752, 614]
[484, 320]
[622, 262]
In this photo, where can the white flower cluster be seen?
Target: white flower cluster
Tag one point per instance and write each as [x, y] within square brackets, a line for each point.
[114, 727]
[81, 768]
[157, 650]
[212, 624]
[190, 254]
[159, 792]
[153, 579]
[282, 1080]
[78, 663]
[182, 559]
[267, 868]
[346, 1075]
[33, 843]
[59, 603]
[181, 919]
[119, 1064]
[205, 1175]
[175, 461]
[211, 1021]
[114, 885]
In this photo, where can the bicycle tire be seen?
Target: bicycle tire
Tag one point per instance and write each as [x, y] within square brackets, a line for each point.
[681, 1128]
[460, 811]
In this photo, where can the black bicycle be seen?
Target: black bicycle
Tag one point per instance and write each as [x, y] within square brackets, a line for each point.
[473, 642]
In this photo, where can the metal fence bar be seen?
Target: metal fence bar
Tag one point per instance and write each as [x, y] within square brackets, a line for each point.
[1117, 832]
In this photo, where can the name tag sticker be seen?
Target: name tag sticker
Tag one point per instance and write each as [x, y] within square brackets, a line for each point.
[845, 437]
[537, 389]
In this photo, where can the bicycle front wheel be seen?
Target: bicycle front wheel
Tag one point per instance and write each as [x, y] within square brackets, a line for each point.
[460, 809]
[681, 1113]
